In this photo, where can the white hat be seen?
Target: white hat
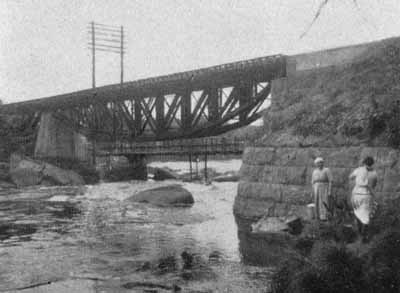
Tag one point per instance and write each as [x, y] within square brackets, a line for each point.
[318, 160]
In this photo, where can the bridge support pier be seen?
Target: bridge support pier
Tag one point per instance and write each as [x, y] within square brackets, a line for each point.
[55, 139]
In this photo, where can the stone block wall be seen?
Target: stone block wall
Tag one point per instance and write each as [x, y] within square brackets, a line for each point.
[276, 181]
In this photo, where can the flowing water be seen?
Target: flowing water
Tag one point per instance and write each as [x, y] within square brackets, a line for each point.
[95, 240]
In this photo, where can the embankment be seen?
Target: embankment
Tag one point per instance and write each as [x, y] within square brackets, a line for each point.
[341, 104]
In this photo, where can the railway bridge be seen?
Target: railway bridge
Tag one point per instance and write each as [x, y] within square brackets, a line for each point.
[187, 105]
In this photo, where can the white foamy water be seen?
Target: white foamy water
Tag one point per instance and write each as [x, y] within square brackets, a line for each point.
[101, 235]
[218, 166]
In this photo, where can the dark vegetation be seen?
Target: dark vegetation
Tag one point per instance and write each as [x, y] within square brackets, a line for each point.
[16, 134]
[332, 261]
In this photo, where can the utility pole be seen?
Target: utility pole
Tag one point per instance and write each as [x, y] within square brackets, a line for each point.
[106, 38]
[93, 57]
[122, 54]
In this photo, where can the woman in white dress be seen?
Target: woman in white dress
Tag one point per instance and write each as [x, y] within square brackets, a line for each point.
[365, 178]
[321, 181]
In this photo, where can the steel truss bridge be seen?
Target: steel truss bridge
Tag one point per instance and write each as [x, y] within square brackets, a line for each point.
[198, 103]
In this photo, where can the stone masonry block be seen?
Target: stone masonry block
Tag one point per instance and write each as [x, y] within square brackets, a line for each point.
[293, 157]
[258, 155]
[279, 210]
[269, 173]
[284, 175]
[272, 192]
[343, 157]
[249, 189]
[258, 190]
[296, 194]
[251, 173]
[292, 175]
[252, 208]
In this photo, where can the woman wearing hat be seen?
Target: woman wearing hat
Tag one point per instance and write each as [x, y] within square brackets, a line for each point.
[321, 181]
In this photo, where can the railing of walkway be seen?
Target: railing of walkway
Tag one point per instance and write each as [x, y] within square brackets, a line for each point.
[209, 145]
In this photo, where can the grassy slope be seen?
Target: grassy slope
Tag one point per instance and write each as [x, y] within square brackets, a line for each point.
[347, 105]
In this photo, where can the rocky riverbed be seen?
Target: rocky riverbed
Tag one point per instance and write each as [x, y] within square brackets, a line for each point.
[91, 238]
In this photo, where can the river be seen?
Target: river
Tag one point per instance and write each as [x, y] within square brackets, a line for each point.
[69, 239]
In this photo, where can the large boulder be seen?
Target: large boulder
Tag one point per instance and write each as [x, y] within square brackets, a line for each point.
[62, 177]
[28, 172]
[292, 225]
[171, 195]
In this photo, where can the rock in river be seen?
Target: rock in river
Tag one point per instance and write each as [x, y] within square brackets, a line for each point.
[171, 195]
[164, 174]
[27, 172]
[291, 225]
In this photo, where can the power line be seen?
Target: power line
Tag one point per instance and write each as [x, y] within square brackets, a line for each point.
[105, 29]
[106, 50]
[111, 40]
[106, 46]
[104, 34]
[107, 40]
[105, 25]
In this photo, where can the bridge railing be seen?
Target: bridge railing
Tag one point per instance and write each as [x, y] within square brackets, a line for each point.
[198, 146]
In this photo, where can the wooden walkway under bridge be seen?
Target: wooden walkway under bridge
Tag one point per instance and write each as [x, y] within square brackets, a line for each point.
[197, 146]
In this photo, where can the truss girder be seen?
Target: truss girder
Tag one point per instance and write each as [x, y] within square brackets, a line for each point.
[198, 103]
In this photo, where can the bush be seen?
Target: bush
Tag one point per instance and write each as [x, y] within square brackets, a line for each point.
[331, 265]
[387, 217]
[329, 268]
[383, 262]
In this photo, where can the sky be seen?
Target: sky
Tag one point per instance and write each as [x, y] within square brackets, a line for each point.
[43, 43]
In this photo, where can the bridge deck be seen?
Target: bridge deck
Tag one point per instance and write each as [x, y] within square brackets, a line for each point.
[259, 68]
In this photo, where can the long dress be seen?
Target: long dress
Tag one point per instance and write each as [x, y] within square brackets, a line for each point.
[321, 181]
[361, 197]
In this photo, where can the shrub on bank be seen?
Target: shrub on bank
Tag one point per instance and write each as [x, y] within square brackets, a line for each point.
[332, 264]
[383, 262]
[328, 268]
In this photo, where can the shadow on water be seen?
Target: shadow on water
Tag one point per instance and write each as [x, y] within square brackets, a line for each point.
[65, 210]
[26, 217]
[10, 229]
